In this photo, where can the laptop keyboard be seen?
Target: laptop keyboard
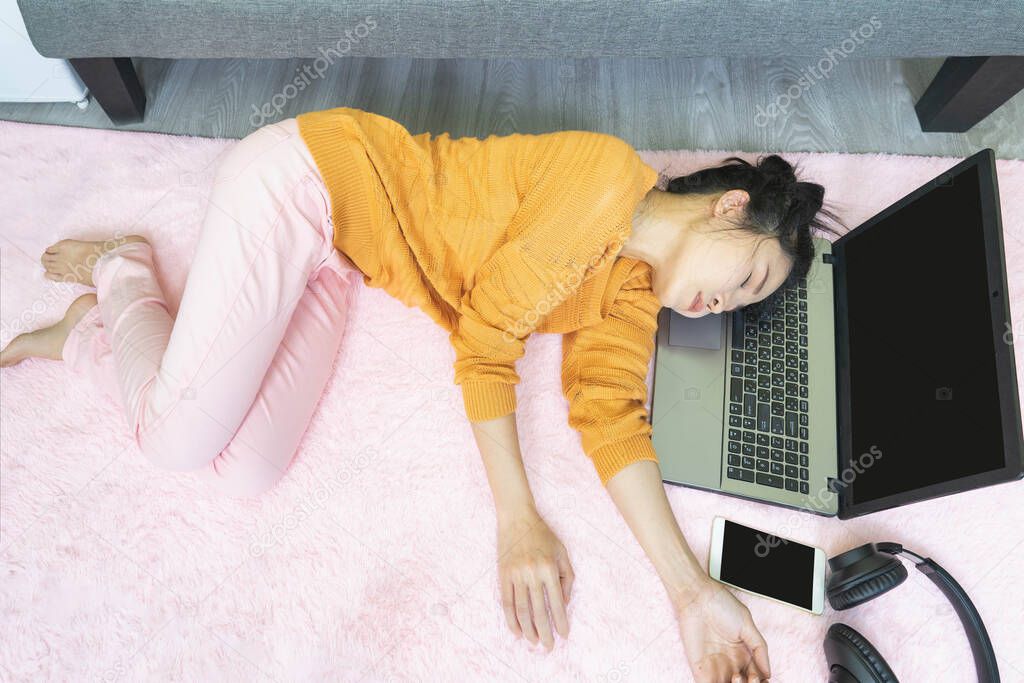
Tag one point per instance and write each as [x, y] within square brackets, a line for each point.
[768, 420]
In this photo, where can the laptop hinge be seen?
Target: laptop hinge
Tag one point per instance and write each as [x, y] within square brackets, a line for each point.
[836, 485]
[828, 257]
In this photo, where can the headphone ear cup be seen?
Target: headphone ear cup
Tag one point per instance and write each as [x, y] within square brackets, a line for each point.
[848, 652]
[853, 594]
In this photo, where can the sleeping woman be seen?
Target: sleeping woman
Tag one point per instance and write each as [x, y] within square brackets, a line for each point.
[494, 239]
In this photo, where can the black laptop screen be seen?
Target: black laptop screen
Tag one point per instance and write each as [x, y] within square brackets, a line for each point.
[923, 385]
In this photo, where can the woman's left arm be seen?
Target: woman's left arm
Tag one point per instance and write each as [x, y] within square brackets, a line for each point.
[718, 633]
[604, 377]
[639, 494]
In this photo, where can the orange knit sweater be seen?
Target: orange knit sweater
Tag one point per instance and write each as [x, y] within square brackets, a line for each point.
[500, 237]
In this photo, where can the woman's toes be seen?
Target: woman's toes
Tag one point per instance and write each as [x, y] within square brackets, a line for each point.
[49, 257]
[61, 262]
[72, 260]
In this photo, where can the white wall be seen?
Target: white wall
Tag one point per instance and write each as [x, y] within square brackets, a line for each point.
[25, 75]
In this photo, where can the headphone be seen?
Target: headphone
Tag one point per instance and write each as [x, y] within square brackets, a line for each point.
[866, 572]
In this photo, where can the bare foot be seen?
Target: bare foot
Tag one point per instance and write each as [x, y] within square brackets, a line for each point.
[49, 341]
[73, 260]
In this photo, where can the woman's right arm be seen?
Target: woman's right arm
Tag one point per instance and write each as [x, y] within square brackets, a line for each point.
[531, 559]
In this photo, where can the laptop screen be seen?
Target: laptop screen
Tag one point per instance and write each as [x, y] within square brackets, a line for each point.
[923, 384]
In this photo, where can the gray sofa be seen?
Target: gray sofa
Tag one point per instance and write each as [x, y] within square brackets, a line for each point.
[981, 39]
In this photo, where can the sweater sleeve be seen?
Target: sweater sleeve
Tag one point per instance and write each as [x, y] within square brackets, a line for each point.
[580, 189]
[489, 336]
[604, 378]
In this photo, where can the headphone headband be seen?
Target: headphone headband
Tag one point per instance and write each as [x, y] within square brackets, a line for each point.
[981, 645]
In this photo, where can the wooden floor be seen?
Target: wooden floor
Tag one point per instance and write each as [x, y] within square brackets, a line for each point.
[863, 106]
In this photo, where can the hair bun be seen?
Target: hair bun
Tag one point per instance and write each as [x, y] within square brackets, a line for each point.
[777, 169]
[810, 193]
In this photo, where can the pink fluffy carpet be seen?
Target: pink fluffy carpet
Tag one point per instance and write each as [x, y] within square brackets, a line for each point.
[374, 559]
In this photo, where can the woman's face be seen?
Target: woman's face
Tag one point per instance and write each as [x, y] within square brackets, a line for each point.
[714, 267]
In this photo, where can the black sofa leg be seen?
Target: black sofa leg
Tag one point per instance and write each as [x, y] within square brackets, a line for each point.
[115, 85]
[966, 90]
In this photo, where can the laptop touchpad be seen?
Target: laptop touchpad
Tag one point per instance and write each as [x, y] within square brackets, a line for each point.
[701, 333]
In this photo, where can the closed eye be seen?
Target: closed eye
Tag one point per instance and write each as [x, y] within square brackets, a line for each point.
[760, 286]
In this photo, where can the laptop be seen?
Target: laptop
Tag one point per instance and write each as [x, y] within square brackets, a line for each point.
[884, 377]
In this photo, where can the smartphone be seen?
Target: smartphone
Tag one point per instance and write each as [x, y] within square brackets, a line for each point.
[767, 565]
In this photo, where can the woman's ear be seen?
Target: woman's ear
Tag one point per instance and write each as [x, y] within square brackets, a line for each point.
[732, 204]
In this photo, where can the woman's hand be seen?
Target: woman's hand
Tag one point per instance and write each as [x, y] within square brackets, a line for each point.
[721, 641]
[532, 561]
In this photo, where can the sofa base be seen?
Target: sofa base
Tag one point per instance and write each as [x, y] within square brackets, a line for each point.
[966, 90]
[115, 86]
[963, 92]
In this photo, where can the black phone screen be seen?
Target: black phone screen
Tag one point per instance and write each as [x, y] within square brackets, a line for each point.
[760, 562]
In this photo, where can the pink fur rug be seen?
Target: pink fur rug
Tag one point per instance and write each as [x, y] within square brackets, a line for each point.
[374, 559]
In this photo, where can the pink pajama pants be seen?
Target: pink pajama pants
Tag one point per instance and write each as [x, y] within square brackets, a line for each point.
[227, 389]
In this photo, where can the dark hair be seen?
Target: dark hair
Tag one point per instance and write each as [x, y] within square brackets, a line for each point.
[780, 207]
